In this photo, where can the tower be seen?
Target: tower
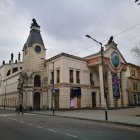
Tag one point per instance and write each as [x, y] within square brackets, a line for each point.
[33, 50]
[33, 73]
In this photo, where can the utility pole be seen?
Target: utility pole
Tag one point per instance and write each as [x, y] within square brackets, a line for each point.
[53, 91]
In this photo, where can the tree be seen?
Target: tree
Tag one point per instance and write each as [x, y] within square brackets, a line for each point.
[137, 1]
[136, 50]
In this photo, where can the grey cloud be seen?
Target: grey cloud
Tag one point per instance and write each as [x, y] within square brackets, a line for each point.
[65, 22]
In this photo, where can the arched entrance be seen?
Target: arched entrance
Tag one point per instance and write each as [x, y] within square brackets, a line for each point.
[36, 101]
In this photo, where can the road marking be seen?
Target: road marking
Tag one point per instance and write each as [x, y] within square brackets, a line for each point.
[29, 124]
[30, 114]
[5, 115]
[21, 121]
[14, 114]
[38, 126]
[51, 130]
[45, 128]
[13, 119]
[63, 133]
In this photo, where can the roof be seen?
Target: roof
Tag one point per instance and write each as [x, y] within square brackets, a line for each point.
[133, 65]
[34, 37]
[92, 55]
[67, 55]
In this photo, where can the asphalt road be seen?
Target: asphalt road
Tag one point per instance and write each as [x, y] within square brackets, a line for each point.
[42, 127]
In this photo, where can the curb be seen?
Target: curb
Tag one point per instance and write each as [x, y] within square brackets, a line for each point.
[101, 121]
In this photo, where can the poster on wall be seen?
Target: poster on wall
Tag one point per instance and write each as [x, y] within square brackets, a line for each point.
[116, 87]
[72, 102]
[75, 92]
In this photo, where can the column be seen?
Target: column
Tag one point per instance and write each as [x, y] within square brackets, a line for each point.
[30, 98]
[110, 90]
[24, 99]
[44, 103]
[101, 82]
[123, 89]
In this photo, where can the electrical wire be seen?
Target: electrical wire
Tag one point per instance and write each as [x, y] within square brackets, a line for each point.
[130, 28]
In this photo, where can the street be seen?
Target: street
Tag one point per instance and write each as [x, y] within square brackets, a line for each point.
[42, 127]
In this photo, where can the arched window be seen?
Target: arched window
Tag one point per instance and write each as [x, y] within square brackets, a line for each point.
[37, 81]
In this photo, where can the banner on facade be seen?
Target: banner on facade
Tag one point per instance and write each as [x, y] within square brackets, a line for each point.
[116, 87]
[75, 92]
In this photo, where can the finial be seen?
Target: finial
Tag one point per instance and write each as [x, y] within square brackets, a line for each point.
[19, 56]
[12, 55]
[34, 23]
[3, 62]
[110, 40]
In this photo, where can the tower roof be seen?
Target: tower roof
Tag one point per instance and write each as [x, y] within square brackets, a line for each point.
[34, 36]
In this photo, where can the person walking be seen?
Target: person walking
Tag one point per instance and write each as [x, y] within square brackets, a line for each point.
[20, 109]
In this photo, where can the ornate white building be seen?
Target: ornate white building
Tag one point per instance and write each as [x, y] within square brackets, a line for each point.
[78, 82]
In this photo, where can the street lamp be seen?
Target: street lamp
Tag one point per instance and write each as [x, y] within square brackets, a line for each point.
[105, 94]
[53, 91]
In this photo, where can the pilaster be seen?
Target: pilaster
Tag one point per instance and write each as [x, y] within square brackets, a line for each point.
[101, 82]
[110, 90]
[123, 89]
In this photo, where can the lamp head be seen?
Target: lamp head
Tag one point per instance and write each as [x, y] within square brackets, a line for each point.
[88, 36]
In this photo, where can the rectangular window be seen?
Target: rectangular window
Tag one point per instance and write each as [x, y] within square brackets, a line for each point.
[58, 76]
[71, 76]
[52, 77]
[77, 76]
[91, 79]
[135, 86]
[133, 72]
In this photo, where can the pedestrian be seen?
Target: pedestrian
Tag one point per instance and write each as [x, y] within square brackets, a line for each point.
[20, 109]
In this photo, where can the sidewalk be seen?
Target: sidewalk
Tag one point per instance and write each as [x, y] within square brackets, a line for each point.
[119, 116]
[127, 116]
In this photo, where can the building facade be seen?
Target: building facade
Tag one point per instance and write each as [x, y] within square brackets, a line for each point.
[133, 84]
[77, 82]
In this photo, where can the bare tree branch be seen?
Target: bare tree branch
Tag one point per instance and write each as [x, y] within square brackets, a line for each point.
[136, 51]
[137, 1]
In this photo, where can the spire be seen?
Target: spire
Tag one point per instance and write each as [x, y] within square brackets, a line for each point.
[12, 56]
[19, 56]
[34, 36]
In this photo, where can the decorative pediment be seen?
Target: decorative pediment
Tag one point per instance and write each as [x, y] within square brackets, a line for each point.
[112, 51]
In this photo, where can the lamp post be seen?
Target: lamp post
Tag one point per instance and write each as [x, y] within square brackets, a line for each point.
[53, 91]
[102, 62]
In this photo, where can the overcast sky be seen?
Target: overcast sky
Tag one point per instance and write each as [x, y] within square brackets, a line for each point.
[64, 24]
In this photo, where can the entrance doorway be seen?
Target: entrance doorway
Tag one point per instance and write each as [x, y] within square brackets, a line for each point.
[36, 101]
[93, 94]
